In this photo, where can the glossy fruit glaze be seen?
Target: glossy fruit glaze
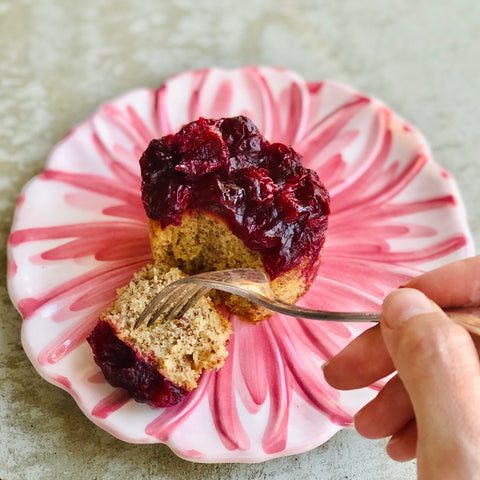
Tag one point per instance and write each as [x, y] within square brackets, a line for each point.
[122, 367]
[261, 189]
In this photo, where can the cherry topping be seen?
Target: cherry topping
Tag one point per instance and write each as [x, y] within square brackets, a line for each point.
[261, 189]
[122, 367]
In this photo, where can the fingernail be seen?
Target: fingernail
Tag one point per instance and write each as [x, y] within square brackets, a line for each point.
[409, 283]
[403, 304]
[325, 364]
[394, 440]
[355, 417]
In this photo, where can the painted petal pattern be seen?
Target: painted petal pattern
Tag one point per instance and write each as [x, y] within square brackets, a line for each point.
[80, 232]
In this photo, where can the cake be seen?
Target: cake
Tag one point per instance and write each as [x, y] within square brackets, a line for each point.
[161, 364]
[218, 195]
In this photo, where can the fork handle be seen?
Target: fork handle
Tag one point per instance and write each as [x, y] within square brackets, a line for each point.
[280, 306]
[467, 317]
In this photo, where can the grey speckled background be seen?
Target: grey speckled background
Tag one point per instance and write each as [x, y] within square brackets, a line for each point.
[60, 59]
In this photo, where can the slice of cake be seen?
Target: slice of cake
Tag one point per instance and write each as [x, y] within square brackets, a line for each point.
[161, 364]
[218, 195]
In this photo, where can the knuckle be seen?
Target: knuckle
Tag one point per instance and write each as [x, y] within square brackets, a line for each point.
[430, 342]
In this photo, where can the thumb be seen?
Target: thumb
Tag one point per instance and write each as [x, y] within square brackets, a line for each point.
[439, 366]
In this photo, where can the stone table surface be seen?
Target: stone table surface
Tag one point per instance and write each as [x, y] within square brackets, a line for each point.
[59, 60]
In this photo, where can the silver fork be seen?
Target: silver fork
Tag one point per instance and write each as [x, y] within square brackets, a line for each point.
[179, 296]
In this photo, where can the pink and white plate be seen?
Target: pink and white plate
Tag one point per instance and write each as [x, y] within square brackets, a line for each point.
[80, 232]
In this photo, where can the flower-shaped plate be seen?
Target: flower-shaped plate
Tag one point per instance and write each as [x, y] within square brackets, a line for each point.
[80, 232]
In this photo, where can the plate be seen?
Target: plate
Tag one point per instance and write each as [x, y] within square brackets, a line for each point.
[80, 232]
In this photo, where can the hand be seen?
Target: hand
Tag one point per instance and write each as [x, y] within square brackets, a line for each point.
[431, 407]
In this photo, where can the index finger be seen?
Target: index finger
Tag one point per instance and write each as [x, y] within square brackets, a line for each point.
[452, 285]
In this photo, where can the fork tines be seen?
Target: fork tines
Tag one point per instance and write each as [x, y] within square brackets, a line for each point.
[172, 302]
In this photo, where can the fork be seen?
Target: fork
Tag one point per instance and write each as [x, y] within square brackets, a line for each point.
[176, 298]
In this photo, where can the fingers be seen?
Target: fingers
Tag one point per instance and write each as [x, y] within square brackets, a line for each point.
[364, 361]
[439, 366]
[388, 413]
[430, 409]
[433, 356]
[452, 285]
[367, 360]
[403, 444]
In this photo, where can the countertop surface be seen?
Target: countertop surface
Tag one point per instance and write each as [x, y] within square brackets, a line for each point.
[60, 60]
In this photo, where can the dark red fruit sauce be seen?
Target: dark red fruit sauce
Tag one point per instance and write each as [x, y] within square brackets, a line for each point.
[261, 190]
[122, 367]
